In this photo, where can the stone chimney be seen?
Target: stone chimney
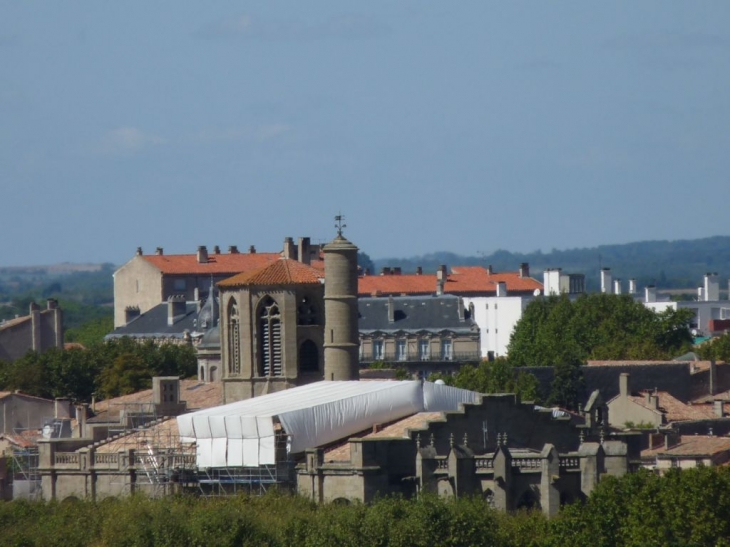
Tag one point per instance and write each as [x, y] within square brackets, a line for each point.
[202, 254]
[139, 251]
[440, 279]
[391, 309]
[397, 270]
[216, 250]
[252, 250]
[700, 294]
[290, 250]
[159, 251]
[130, 313]
[304, 252]
[176, 308]
[650, 294]
[623, 385]
[51, 304]
[81, 419]
[419, 270]
[233, 249]
[501, 288]
[712, 287]
[490, 271]
[617, 286]
[524, 270]
[606, 280]
[632, 286]
[460, 308]
[671, 439]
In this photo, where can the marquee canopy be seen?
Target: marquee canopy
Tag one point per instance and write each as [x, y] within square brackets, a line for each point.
[242, 433]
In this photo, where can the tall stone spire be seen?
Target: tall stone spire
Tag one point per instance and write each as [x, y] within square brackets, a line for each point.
[341, 334]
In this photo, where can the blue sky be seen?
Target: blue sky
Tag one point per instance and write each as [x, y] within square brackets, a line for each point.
[466, 127]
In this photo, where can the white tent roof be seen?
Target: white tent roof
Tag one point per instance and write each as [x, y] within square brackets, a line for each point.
[242, 433]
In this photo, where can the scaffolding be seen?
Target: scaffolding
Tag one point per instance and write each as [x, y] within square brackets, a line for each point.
[25, 475]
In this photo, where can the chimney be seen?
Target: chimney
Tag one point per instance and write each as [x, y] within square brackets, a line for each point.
[460, 309]
[233, 249]
[51, 304]
[632, 286]
[35, 325]
[623, 385]
[61, 407]
[289, 251]
[384, 270]
[524, 270]
[397, 270]
[216, 250]
[81, 419]
[650, 294]
[606, 280]
[490, 271]
[501, 288]
[671, 438]
[419, 270]
[652, 400]
[440, 280]
[139, 251]
[252, 250]
[304, 252]
[202, 254]
[391, 310]
[617, 286]
[159, 251]
[367, 272]
[712, 287]
[131, 313]
[700, 294]
[176, 308]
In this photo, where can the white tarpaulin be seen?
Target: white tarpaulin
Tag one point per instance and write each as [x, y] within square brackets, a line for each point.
[243, 434]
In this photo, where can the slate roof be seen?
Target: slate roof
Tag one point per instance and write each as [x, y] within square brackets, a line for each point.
[284, 271]
[463, 280]
[413, 313]
[153, 324]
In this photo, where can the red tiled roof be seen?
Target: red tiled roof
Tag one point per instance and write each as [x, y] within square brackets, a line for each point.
[282, 272]
[691, 445]
[231, 263]
[461, 280]
[674, 409]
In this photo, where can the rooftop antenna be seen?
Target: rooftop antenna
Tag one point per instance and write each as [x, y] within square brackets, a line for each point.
[340, 224]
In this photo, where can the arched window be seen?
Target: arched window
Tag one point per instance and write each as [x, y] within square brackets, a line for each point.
[307, 312]
[528, 500]
[234, 339]
[308, 357]
[269, 322]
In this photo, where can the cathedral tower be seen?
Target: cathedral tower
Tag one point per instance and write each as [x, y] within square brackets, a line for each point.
[341, 336]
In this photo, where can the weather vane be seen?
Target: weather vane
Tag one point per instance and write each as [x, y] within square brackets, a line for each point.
[339, 220]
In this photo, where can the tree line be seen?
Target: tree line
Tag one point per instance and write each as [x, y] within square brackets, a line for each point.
[108, 369]
[689, 507]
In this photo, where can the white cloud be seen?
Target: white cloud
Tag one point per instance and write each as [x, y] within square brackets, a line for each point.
[128, 140]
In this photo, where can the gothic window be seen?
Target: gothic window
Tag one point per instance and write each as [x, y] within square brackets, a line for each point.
[307, 312]
[234, 339]
[269, 335]
[308, 357]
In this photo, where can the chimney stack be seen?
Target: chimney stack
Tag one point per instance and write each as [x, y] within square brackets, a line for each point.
[289, 251]
[460, 309]
[501, 288]
[700, 294]
[712, 287]
[719, 408]
[632, 286]
[440, 279]
[176, 308]
[81, 419]
[139, 251]
[304, 251]
[216, 250]
[252, 250]
[606, 280]
[397, 270]
[650, 294]
[202, 254]
[419, 270]
[617, 286]
[623, 385]
[233, 249]
[524, 270]
[159, 251]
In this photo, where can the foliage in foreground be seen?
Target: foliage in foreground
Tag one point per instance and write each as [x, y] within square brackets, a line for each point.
[691, 507]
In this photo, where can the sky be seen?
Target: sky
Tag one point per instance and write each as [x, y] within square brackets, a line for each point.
[464, 126]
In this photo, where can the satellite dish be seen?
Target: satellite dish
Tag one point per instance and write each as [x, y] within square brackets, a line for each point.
[440, 382]
[694, 332]
[537, 292]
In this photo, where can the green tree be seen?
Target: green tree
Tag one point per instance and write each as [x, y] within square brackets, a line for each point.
[128, 374]
[717, 349]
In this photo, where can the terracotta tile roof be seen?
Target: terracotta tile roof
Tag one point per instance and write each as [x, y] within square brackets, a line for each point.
[282, 272]
[472, 280]
[217, 263]
[340, 452]
[673, 409]
[692, 445]
[161, 436]
[196, 394]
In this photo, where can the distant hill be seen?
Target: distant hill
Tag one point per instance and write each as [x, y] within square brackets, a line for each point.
[666, 264]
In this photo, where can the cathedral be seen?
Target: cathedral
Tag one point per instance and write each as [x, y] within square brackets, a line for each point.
[282, 326]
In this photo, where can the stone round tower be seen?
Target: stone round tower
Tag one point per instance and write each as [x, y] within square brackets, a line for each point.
[341, 334]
